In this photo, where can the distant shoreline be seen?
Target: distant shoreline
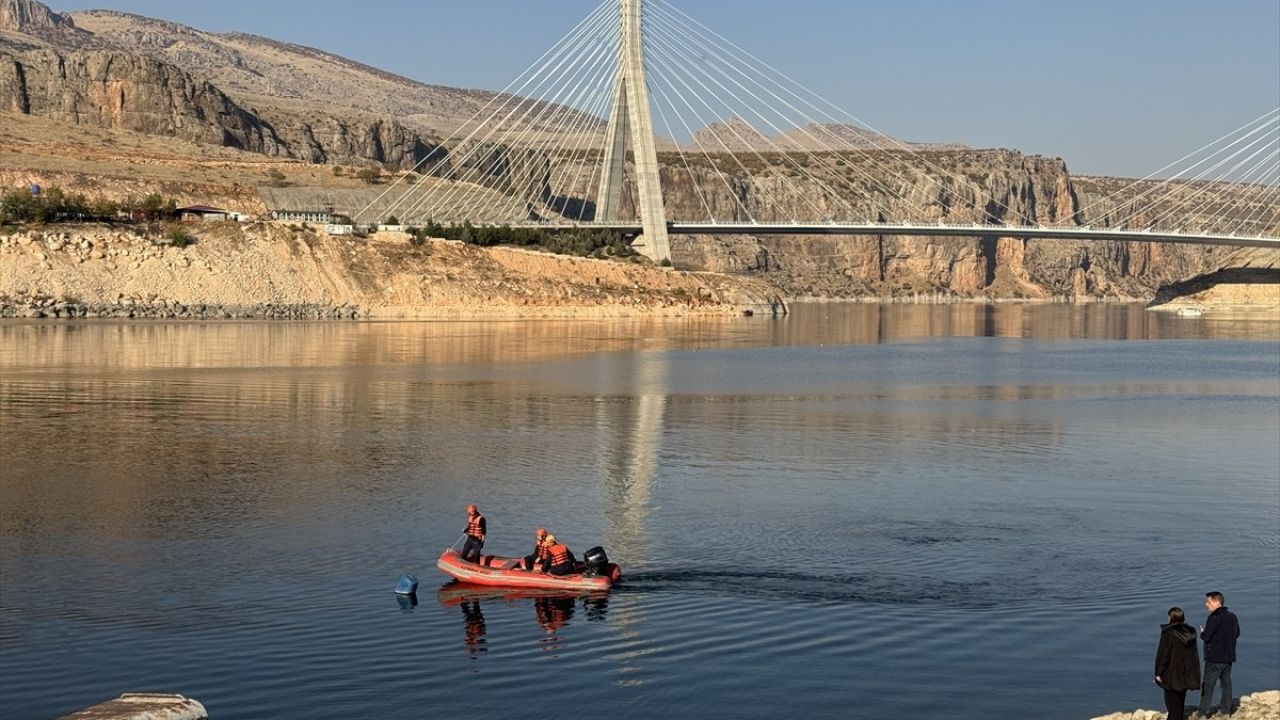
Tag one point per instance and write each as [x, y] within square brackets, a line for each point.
[267, 271]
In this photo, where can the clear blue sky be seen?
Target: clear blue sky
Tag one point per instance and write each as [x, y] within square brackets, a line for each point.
[1114, 86]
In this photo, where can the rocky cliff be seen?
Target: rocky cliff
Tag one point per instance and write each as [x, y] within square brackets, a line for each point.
[49, 67]
[956, 186]
[28, 16]
[114, 89]
[120, 90]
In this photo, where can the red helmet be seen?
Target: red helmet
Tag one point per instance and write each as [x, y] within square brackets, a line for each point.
[472, 509]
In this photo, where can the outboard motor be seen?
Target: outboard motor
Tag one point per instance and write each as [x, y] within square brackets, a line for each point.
[408, 585]
[596, 561]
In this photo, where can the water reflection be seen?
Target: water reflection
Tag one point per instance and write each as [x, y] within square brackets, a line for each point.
[553, 610]
[407, 601]
[110, 344]
[474, 634]
[630, 437]
[987, 481]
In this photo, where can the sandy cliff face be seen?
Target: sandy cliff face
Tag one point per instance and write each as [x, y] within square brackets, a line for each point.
[270, 267]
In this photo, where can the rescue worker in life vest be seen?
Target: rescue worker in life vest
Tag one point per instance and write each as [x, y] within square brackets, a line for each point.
[562, 562]
[475, 535]
[540, 558]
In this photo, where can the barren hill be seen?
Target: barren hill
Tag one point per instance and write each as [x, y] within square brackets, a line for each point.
[118, 70]
[262, 73]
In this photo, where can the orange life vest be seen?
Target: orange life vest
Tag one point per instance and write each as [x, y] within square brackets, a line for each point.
[475, 528]
[542, 551]
[559, 554]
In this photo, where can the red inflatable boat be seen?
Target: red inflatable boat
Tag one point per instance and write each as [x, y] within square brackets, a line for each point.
[494, 571]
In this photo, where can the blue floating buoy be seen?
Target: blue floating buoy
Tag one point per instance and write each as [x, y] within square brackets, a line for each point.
[408, 585]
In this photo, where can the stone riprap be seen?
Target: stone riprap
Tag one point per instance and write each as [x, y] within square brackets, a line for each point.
[1258, 706]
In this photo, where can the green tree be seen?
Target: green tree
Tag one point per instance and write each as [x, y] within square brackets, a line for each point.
[17, 206]
[153, 205]
[176, 236]
[103, 208]
[370, 174]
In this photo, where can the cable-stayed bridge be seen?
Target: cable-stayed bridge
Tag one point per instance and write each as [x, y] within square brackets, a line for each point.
[640, 103]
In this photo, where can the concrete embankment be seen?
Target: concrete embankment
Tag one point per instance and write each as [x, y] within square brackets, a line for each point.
[1258, 706]
[267, 270]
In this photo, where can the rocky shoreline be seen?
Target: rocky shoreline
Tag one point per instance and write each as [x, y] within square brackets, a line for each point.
[1258, 706]
[52, 308]
[274, 271]
[267, 271]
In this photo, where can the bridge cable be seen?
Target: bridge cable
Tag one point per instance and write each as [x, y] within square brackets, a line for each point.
[1264, 188]
[1239, 187]
[827, 190]
[746, 57]
[564, 111]
[544, 109]
[653, 75]
[1117, 216]
[501, 94]
[550, 69]
[1211, 185]
[1200, 176]
[662, 72]
[566, 47]
[665, 65]
[724, 60]
[1193, 153]
[693, 179]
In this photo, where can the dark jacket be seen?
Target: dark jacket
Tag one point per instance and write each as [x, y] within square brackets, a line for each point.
[1220, 633]
[1178, 658]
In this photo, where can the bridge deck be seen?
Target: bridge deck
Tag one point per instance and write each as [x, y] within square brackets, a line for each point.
[1076, 233]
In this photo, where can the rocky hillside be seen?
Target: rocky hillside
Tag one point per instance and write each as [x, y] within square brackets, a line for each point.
[34, 18]
[370, 114]
[52, 67]
[119, 77]
[956, 186]
[286, 78]
[735, 135]
[267, 270]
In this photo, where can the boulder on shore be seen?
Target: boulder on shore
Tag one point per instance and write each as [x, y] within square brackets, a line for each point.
[1258, 706]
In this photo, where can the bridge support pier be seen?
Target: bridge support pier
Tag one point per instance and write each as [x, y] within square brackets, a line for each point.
[631, 119]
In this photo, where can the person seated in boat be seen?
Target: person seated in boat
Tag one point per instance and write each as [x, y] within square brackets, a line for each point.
[475, 533]
[540, 558]
[562, 562]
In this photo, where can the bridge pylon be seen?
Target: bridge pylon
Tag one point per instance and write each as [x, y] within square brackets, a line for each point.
[631, 120]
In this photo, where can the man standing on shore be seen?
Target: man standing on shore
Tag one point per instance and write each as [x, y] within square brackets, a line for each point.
[1219, 633]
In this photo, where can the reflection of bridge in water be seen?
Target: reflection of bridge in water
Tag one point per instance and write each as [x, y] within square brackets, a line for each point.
[573, 142]
[629, 429]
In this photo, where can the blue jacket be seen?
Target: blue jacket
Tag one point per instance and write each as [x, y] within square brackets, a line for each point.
[1220, 633]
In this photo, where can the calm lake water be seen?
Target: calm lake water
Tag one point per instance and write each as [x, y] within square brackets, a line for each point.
[899, 511]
